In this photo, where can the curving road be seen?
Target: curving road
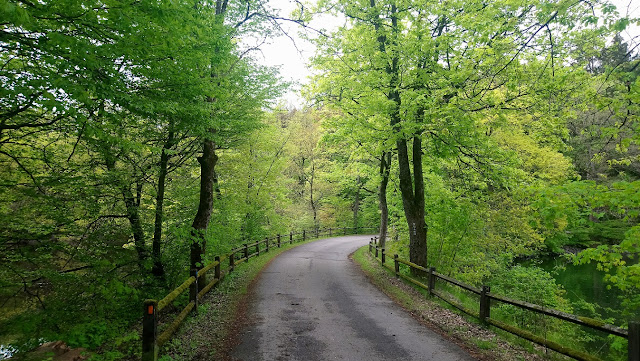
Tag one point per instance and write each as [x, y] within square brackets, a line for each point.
[312, 303]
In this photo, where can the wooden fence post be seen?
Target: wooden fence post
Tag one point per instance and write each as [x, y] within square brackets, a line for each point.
[291, 237]
[150, 331]
[432, 279]
[371, 246]
[485, 304]
[246, 251]
[217, 268]
[634, 341]
[304, 235]
[345, 231]
[232, 261]
[376, 247]
[383, 256]
[317, 232]
[329, 231]
[266, 241]
[278, 240]
[258, 248]
[193, 290]
[396, 265]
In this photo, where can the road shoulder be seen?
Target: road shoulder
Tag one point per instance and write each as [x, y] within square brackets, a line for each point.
[479, 342]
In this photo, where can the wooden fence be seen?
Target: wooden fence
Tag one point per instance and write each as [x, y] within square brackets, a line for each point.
[632, 334]
[152, 339]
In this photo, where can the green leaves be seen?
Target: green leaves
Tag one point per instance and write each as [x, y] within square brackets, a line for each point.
[489, 88]
[92, 94]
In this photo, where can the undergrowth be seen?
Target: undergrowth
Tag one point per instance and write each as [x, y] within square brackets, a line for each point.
[464, 330]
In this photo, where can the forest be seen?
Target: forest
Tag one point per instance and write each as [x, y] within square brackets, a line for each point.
[140, 138]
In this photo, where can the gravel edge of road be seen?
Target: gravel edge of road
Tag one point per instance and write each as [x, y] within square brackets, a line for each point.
[481, 343]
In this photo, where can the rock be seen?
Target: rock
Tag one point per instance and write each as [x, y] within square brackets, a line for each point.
[53, 351]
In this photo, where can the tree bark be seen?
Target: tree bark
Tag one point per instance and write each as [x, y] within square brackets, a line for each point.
[412, 191]
[132, 206]
[356, 203]
[208, 184]
[158, 268]
[133, 215]
[311, 200]
[207, 161]
[385, 167]
[411, 187]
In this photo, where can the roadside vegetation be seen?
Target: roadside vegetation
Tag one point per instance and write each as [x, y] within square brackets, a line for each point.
[466, 331]
[138, 139]
[497, 147]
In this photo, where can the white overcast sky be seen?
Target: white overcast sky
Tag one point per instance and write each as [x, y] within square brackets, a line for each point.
[292, 55]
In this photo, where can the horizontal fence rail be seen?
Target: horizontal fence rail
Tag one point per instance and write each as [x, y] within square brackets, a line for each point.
[484, 308]
[152, 339]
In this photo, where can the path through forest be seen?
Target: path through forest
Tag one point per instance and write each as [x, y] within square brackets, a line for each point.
[313, 303]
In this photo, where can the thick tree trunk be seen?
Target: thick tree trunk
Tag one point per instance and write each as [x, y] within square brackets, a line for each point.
[385, 166]
[412, 191]
[207, 162]
[158, 268]
[411, 188]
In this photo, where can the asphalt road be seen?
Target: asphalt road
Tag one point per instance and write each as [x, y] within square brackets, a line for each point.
[313, 303]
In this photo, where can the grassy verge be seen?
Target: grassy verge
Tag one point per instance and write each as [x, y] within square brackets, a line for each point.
[211, 333]
[480, 342]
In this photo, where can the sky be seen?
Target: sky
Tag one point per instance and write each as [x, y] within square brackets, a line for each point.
[292, 53]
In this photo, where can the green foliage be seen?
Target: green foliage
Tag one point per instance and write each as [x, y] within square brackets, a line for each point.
[622, 267]
[90, 102]
[104, 113]
[534, 285]
[486, 107]
[530, 284]
[582, 212]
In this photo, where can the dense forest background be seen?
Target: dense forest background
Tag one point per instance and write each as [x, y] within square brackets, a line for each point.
[137, 139]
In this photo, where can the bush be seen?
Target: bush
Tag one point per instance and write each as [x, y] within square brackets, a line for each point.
[531, 284]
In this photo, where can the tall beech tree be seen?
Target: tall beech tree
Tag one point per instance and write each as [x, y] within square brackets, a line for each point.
[101, 105]
[385, 169]
[440, 76]
[236, 110]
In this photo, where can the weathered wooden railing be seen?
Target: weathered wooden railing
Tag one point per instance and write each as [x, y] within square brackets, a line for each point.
[632, 334]
[152, 340]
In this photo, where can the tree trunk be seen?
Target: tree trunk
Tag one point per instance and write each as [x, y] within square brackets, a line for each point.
[158, 268]
[311, 200]
[412, 191]
[356, 204]
[132, 206]
[385, 167]
[133, 215]
[411, 188]
[208, 184]
[216, 185]
[207, 162]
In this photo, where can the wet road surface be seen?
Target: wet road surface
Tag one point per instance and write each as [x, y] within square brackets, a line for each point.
[312, 303]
